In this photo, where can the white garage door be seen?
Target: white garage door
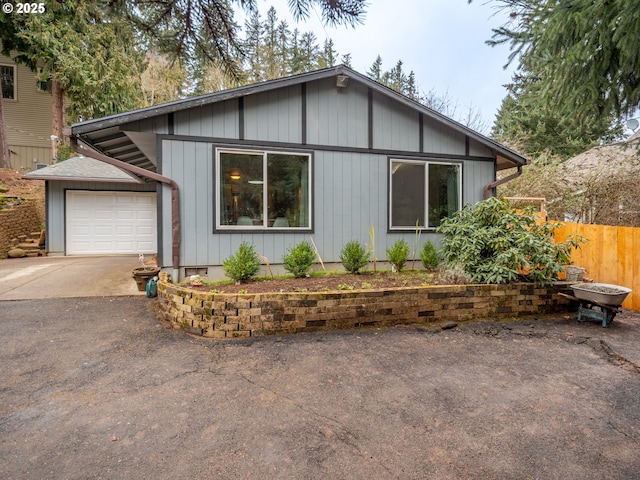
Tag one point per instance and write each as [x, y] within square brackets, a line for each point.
[110, 222]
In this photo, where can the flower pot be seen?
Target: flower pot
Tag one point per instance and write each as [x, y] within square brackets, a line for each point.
[142, 275]
[574, 274]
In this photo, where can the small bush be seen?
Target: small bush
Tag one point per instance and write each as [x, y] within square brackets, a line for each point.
[429, 256]
[243, 265]
[454, 275]
[354, 256]
[299, 259]
[398, 254]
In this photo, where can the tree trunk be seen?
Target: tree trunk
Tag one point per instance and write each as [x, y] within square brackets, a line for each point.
[5, 159]
[57, 123]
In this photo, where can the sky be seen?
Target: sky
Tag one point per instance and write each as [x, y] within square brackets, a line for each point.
[442, 41]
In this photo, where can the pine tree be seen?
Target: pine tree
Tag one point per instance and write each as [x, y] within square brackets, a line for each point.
[328, 55]
[375, 72]
[584, 53]
[308, 52]
[251, 47]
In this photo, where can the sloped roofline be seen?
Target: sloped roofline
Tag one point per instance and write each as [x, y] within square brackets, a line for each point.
[89, 126]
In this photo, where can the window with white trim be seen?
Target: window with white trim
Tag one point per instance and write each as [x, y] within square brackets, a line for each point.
[263, 190]
[8, 81]
[423, 193]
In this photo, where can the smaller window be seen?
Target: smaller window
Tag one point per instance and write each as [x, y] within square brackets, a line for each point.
[43, 86]
[423, 193]
[7, 78]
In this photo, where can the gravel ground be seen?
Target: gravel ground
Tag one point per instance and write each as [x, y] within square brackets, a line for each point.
[98, 388]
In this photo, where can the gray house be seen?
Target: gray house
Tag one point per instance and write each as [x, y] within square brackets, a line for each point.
[325, 154]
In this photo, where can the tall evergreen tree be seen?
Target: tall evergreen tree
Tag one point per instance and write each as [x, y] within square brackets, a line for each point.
[375, 72]
[537, 129]
[271, 65]
[584, 53]
[251, 47]
[309, 52]
[328, 56]
[346, 60]
[88, 58]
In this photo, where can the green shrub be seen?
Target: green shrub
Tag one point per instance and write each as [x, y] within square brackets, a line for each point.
[494, 243]
[354, 256]
[429, 256]
[398, 254]
[299, 259]
[243, 265]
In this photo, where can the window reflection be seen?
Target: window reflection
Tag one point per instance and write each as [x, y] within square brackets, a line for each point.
[264, 190]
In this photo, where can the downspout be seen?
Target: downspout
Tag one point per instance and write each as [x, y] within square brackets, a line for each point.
[497, 183]
[175, 196]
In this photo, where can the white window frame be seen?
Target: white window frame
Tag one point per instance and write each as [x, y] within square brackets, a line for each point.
[264, 227]
[425, 163]
[15, 81]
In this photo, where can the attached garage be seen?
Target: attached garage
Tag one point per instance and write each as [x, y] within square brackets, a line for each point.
[97, 209]
[110, 222]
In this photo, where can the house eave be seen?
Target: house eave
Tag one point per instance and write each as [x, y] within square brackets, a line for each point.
[84, 129]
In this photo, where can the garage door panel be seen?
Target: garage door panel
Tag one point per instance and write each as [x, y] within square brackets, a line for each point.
[102, 214]
[125, 230]
[124, 198]
[144, 230]
[81, 230]
[145, 246]
[125, 215]
[103, 230]
[111, 222]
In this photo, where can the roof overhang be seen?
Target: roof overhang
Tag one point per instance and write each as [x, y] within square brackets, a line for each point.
[105, 134]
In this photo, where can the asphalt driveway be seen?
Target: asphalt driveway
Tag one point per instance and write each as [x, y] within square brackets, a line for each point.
[98, 388]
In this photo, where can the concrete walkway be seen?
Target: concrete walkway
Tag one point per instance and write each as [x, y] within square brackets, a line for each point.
[65, 277]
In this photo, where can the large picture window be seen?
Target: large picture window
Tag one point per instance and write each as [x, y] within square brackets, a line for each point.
[263, 190]
[423, 193]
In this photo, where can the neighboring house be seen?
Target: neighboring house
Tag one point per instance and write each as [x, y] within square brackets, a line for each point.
[27, 116]
[327, 154]
[603, 184]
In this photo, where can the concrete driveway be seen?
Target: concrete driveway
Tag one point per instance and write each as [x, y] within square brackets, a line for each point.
[65, 277]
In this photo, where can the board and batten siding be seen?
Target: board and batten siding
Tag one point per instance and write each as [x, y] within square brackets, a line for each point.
[159, 124]
[55, 208]
[219, 120]
[274, 116]
[395, 126]
[337, 117]
[350, 190]
[350, 194]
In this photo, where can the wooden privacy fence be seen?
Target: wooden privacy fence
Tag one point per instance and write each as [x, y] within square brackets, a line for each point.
[608, 256]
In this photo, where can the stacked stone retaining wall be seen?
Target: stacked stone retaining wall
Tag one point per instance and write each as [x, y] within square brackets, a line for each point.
[20, 220]
[246, 315]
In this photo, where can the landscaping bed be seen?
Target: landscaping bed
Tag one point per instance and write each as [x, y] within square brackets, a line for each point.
[335, 281]
[209, 312]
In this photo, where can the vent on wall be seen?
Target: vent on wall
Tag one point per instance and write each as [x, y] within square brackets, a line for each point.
[41, 165]
[202, 271]
[342, 81]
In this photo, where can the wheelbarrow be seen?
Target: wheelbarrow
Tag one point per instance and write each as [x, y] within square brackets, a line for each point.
[599, 301]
